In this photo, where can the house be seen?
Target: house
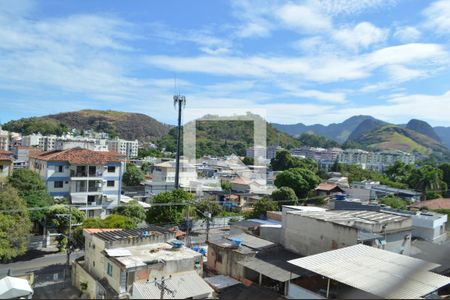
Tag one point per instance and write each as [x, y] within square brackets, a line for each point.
[362, 272]
[252, 260]
[115, 259]
[311, 232]
[90, 179]
[328, 189]
[6, 163]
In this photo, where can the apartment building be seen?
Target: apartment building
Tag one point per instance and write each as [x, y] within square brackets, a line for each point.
[89, 179]
[376, 161]
[263, 152]
[4, 139]
[128, 148]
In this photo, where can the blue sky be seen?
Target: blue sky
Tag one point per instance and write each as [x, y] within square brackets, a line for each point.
[301, 61]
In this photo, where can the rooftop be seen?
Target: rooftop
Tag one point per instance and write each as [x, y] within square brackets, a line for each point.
[324, 186]
[142, 255]
[247, 240]
[379, 272]
[441, 203]
[119, 234]
[185, 285]
[78, 156]
[350, 218]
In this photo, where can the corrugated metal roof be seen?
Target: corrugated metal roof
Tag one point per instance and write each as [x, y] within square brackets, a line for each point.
[186, 285]
[379, 272]
[268, 269]
[221, 281]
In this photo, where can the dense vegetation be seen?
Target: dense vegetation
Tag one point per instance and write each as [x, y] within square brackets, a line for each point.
[220, 138]
[125, 125]
[313, 140]
[133, 175]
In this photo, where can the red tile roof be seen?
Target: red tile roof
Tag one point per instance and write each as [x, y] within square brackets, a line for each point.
[78, 156]
[5, 155]
[434, 204]
[326, 186]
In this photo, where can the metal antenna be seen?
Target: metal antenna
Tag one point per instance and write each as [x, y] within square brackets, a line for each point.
[161, 285]
[181, 102]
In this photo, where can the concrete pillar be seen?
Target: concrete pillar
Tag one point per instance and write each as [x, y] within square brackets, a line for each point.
[260, 279]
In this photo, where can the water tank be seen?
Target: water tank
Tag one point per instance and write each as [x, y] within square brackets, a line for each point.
[341, 197]
[236, 241]
[176, 244]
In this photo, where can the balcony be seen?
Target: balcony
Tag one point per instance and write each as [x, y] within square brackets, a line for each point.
[82, 172]
[86, 186]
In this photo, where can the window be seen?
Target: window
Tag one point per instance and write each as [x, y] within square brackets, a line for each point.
[219, 258]
[111, 169]
[60, 169]
[109, 269]
[58, 184]
[91, 214]
[110, 183]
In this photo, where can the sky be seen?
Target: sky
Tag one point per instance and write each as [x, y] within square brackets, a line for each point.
[299, 61]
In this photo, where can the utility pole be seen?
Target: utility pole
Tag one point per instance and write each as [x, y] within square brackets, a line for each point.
[208, 220]
[69, 239]
[181, 102]
[161, 284]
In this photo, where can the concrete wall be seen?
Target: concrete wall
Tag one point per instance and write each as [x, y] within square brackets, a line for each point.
[5, 168]
[270, 233]
[307, 236]
[81, 276]
[230, 258]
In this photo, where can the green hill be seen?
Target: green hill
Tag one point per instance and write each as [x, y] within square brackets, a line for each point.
[123, 124]
[390, 137]
[219, 138]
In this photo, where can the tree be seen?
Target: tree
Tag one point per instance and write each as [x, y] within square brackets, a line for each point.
[225, 185]
[285, 195]
[133, 176]
[426, 179]
[262, 206]
[145, 167]
[302, 181]
[445, 168]
[284, 161]
[168, 214]
[248, 161]
[58, 216]
[15, 223]
[32, 189]
[399, 171]
[208, 205]
[131, 210]
[394, 202]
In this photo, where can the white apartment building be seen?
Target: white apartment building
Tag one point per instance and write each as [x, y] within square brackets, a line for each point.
[128, 148]
[376, 161]
[89, 179]
[4, 139]
[263, 152]
[31, 140]
[163, 177]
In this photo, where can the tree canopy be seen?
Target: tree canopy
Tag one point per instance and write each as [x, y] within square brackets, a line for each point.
[262, 206]
[302, 181]
[133, 176]
[170, 214]
[15, 223]
[32, 189]
[394, 202]
[285, 195]
[284, 161]
[131, 210]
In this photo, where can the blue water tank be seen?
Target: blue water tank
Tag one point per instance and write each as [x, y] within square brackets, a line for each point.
[341, 197]
[236, 241]
[176, 244]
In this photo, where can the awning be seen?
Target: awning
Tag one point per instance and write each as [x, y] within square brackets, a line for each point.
[378, 272]
[268, 270]
[13, 287]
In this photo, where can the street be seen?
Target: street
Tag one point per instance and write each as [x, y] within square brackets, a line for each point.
[49, 262]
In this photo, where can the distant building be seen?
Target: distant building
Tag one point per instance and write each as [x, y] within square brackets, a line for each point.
[377, 190]
[89, 179]
[376, 161]
[6, 163]
[4, 140]
[263, 152]
[117, 259]
[128, 148]
[328, 189]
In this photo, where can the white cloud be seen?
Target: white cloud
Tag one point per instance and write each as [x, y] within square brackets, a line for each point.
[362, 35]
[399, 73]
[407, 34]
[438, 16]
[305, 17]
[352, 7]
